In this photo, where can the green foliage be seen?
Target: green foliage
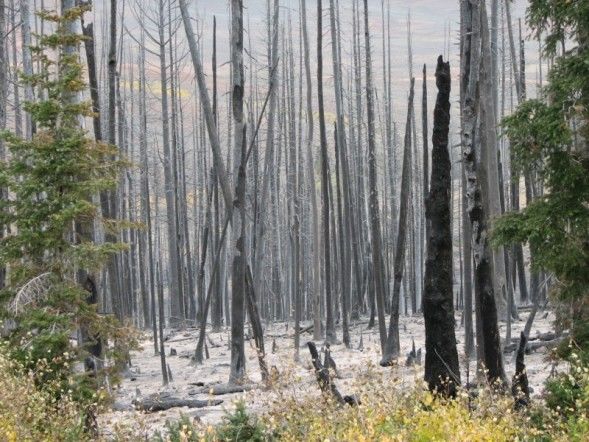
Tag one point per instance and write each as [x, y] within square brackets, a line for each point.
[568, 393]
[241, 426]
[236, 426]
[549, 141]
[182, 430]
[49, 216]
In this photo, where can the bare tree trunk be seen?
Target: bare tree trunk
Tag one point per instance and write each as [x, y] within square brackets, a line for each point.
[442, 372]
[206, 104]
[27, 61]
[489, 145]
[378, 269]
[239, 254]
[393, 345]
[478, 204]
[269, 155]
[316, 294]
[108, 198]
[425, 228]
[14, 73]
[3, 101]
[330, 335]
[348, 220]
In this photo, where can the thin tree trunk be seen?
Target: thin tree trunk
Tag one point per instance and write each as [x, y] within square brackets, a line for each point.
[330, 335]
[393, 344]
[206, 103]
[316, 294]
[238, 293]
[377, 264]
[3, 100]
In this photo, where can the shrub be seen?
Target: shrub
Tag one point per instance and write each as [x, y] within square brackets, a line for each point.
[241, 426]
[182, 430]
[30, 414]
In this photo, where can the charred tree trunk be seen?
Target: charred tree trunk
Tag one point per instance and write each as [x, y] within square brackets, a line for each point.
[441, 357]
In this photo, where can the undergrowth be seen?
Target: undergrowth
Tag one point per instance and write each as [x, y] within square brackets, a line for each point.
[394, 412]
[389, 411]
[28, 413]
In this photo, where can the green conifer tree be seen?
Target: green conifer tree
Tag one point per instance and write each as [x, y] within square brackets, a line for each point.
[50, 214]
[550, 141]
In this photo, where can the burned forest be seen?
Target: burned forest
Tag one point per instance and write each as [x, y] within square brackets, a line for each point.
[294, 220]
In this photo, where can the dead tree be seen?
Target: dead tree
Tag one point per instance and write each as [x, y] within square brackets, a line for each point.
[316, 293]
[108, 201]
[375, 233]
[442, 372]
[324, 378]
[330, 335]
[239, 254]
[162, 402]
[206, 105]
[3, 101]
[392, 345]
[520, 387]
[489, 345]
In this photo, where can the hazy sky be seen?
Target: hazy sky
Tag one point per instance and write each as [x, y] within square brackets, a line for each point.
[434, 26]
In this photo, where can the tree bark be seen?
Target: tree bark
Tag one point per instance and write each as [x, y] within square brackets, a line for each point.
[238, 293]
[442, 372]
[478, 205]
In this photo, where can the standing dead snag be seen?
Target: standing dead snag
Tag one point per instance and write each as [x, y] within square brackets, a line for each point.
[324, 378]
[442, 372]
[392, 348]
[477, 189]
[519, 387]
[238, 289]
[254, 315]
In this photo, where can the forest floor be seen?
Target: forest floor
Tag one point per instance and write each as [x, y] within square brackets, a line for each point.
[290, 378]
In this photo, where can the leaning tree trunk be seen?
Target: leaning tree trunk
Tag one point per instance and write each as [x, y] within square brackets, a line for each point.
[442, 372]
[206, 104]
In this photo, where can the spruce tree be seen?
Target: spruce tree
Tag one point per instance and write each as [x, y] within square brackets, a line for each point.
[549, 141]
[52, 180]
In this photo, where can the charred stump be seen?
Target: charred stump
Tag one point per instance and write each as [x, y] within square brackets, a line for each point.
[324, 379]
[520, 387]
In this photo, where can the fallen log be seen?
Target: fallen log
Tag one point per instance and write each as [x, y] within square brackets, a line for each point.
[221, 389]
[533, 346]
[154, 403]
[307, 329]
